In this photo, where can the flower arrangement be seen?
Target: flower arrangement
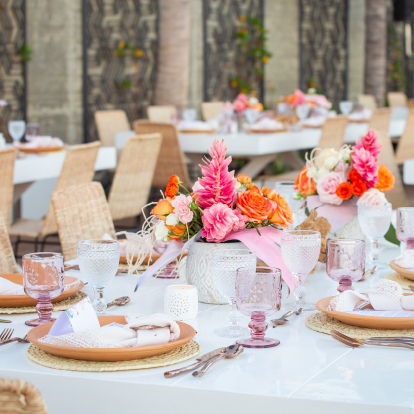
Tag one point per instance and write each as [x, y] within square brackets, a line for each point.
[337, 176]
[313, 99]
[243, 102]
[218, 204]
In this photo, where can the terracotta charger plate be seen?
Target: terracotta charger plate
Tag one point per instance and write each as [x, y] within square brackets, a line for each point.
[407, 273]
[23, 148]
[17, 301]
[267, 131]
[374, 322]
[187, 333]
[196, 131]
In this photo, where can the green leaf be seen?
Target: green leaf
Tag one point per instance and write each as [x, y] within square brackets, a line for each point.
[391, 236]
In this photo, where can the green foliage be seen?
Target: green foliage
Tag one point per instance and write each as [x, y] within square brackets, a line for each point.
[25, 53]
[397, 77]
[391, 236]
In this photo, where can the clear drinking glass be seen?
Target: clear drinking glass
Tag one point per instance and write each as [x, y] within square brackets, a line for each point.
[258, 293]
[405, 226]
[346, 107]
[302, 111]
[44, 280]
[345, 261]
[190, 114]
[375, 222]
[300, 252]
[252, 115]
[98, 263]
[224, 265]
[17, 130]
[32, 130]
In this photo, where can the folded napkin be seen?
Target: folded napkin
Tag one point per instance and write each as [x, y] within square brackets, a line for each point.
[266, 123]
[385, 295]
[141, 330]
[314, 121]
[364, 115]
[406, 261]
[44, 141]
[194, 126]
[8, 288]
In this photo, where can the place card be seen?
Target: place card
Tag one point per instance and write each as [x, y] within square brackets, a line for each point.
[383, 314]
[79, 317]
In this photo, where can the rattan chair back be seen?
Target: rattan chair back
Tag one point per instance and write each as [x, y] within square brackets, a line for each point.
[333, 132]
[368, 101]
[7, 160]
[82, 213]
[211, 109]
[405, 148]
[161, 113]
[397, 99]
[7, 260]
[134, 175]
[109, 123]
[171, 157]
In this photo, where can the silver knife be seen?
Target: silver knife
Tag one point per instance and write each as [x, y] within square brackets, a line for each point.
[200, 361]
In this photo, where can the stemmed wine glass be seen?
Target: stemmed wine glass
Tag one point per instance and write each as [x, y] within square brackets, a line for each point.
[300, 252]
[17, 130]
[44, 280]
[345, 107]
[375, 222]
[224, 265]
[98, 263]
[258, 293]
[345, 262]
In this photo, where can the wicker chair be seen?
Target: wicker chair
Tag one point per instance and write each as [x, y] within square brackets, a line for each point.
[82, 212]
[109, 123]
[78, 168]
[332, 136]
[171, 158]
[397, 99]
[380, 122]
[7, 261]
[405, 148]
[20, 397]
[161, 113]
[134, 175]
[211, 109]
[368, 101]
[7, 159]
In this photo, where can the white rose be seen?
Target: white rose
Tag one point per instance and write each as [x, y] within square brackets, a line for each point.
[331, 162]
[320, 173]
[238, 186]
[161, 232]
[311, 172]
[172, 219]
[346, 153]
[326, 153]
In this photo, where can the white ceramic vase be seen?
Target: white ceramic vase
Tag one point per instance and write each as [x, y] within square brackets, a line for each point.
[198, 270]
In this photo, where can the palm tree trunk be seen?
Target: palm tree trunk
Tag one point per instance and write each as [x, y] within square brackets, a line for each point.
[174, 53]
[376, 49]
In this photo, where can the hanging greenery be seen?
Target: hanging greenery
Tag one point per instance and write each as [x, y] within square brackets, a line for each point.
[125, 50]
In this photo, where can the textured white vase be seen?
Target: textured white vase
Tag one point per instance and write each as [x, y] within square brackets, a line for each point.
[198, 270]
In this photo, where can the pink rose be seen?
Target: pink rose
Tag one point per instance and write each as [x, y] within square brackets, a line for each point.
[240, 224]
[218, 221]
[372, 197]
[342, 167]
[181, 206]
[327, 186]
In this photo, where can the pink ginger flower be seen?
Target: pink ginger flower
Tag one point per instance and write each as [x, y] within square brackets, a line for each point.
[370, 143]
[240, 224]
[218, 222]
[218, 184]
[366, 164]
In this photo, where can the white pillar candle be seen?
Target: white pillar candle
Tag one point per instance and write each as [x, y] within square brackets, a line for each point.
[181, 302]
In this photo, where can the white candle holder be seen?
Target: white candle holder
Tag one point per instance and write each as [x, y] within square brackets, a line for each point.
[181, 302]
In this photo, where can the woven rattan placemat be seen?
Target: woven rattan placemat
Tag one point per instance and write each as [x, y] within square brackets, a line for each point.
[58, 306]
[180, 354]
[396, 277]
[323, 323]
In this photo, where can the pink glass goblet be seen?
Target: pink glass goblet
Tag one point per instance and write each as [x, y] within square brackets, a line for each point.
[258, 294]
[345, 261]
[405, 226]
[44, 280]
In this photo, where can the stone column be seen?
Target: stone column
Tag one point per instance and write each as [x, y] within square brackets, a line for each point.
[54, 74]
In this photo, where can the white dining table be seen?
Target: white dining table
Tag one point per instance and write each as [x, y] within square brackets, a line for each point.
[262, 148]
[309, 372]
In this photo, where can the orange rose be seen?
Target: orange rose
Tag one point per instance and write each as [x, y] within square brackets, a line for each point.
[305, 185]
[178, 231]
[162, 209]
[268, 193]
[254, 205]
[174, 179]
[344, 190]
[354, 175]
[171, 190]
[243, 178]
[252, 187]
[282, 213]
[359, 188]
[385, 179]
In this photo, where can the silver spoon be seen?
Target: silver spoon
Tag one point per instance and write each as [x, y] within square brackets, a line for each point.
[368, 272]
[123, 300]
[282, 320]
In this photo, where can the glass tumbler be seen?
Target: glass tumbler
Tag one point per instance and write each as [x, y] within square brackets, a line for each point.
[345, 261]
[300, 252]
[44, 280]
[375, 222]
[405, 226]
[224, 265]
[98, 263]
[259, 293]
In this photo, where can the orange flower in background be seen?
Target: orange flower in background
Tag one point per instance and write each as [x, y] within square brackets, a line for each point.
[269, 193]
[386, 180]
[282, 213]
[254, 205]
[174, 180]
[354, 175]
[252, 187]
[305, 185]
[178, 231]
[243, 178]
[162, 209]
[171, 190]
[359, 188]
[344, 190]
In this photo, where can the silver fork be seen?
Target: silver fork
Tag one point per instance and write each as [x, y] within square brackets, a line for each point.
[6, 334]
